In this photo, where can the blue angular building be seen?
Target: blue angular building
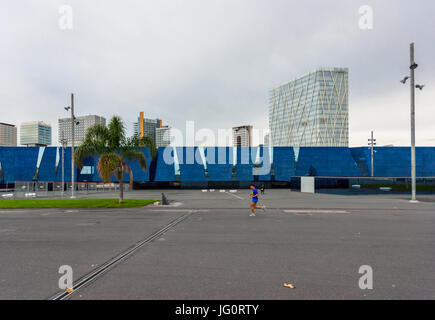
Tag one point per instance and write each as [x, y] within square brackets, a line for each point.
[223, 166]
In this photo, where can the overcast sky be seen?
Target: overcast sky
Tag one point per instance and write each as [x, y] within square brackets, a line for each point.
[214, 61]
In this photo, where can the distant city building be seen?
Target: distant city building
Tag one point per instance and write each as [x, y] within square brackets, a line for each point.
[163, 136]
[146, 127]
[312, 110]
[35, 134]
[267, 140]
[84, 123]
[8, 135]
[242, 136]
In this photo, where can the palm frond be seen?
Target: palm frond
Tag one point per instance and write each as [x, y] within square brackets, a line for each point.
[116, 130]
[107, 165]
[129, 171]
[148, 143]
[135, 155]
[95, 143]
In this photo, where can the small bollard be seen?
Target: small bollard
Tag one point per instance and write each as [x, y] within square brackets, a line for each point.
[165, 201]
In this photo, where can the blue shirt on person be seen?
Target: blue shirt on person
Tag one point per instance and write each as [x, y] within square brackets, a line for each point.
[254, 193]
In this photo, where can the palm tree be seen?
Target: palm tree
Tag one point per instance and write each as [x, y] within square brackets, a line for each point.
[114, 149]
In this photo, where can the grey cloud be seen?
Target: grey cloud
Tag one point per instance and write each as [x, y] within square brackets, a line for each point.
[212, 61]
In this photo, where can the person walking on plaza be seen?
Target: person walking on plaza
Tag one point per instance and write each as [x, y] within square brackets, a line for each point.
[262, 188]
[254, 202]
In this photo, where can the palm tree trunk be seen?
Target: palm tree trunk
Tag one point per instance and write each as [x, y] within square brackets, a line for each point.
[121, 186]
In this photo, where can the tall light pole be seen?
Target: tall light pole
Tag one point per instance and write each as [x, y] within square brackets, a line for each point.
[63, 141]
[73, 123]
[413, 66]
[372, 143]
[72, 146]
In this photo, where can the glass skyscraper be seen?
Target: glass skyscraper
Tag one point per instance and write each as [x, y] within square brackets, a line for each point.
[312, 110]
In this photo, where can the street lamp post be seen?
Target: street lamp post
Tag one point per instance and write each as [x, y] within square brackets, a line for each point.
[412, 67]
[73, 123]
[372, 143]
[63, 141]
[72, 146]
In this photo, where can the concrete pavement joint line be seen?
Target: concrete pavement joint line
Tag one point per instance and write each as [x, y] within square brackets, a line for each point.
[8, 230]
[299, 210]
[179, 210]
[94, 275]
[235, 196]
[316, 211]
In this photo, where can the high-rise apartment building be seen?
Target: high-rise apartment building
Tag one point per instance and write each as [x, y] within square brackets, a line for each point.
[312, 110]
[82, 125]
[146, 127]
[267, 140]
[36, 134]
[163, 136]
[8, 135]
[242, 136]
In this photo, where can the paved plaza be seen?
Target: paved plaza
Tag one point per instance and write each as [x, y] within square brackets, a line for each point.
[317, 242]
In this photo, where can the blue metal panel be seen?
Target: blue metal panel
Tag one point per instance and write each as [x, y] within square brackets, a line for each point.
[245, 163]
[326, 161]
[18, 163]
[244, 172]
[165, 170]
[396, 161]
[218, 155]
[219, 161]
[392, 162]
[67, 170]
[192, 172]
[220, 172]
[139, 174]
[425, 161]
[48, 165]
[264, 164]
[283, 163]
[191, 164]
[361, 156]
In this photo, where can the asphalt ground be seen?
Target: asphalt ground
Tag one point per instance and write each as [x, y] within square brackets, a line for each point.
[315, 242]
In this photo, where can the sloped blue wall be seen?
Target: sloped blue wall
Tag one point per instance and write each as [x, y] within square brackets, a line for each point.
[19, 163]
[219, 161]
[190, 171]
[245, 163]
[164, 171]
[361, 156]
[283, 163]
[264, 166]
[326, 162]
[396, 161]
[425, 161]
[48, 165]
